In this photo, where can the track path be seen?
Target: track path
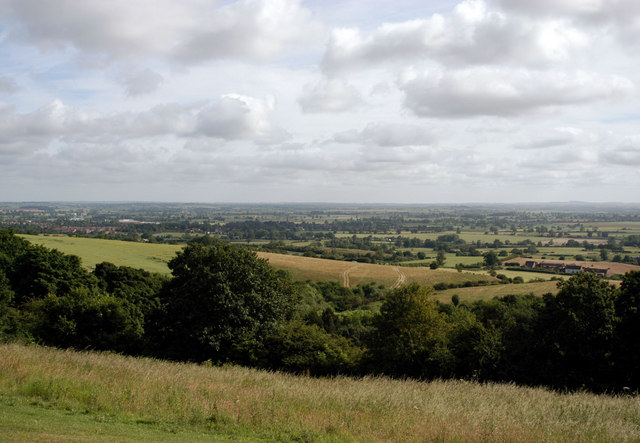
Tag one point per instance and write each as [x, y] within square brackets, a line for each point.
[345, 276]
[402, 278]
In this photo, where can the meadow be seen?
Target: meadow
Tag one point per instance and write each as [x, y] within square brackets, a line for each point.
[470, 295]
[54, 395]
[152, 257]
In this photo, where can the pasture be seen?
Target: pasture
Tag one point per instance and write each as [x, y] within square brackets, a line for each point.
[152, 257]
[53, 395]
[477, 293]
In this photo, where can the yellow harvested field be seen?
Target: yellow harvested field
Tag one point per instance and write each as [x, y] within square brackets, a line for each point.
[351, 274]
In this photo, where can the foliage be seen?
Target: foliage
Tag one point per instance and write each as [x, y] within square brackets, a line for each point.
[577, 332]
[219, 296]
[409, 334]
[301, 348]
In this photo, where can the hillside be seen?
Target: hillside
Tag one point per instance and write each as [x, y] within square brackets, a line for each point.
[53, 395]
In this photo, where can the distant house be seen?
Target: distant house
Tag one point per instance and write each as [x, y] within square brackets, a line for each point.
[551, 266]
[572, 269]
[597, 271]
[530, 264]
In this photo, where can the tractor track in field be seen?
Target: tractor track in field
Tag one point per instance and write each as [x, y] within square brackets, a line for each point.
[402, 277]
[345, 276]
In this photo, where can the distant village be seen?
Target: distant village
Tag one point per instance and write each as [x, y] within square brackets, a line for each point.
[560, 267]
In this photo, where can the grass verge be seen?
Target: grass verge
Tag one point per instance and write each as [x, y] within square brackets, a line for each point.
[95, 394]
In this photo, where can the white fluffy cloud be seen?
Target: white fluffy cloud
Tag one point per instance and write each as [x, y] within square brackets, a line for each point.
[504, 92]
[232, 117]
[473, 34]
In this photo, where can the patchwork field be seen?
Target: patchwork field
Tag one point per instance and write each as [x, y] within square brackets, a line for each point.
[53, 395]
[154, 257]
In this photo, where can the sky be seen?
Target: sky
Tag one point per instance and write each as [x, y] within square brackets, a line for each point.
[320, 101]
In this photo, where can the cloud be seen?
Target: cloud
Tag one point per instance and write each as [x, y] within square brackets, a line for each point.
[387, 135]
[504, 92]
[232, 117]
[240, 117]
[8, 85]
[188, 31]
[329, 95]
[474, 34]
[141, 82]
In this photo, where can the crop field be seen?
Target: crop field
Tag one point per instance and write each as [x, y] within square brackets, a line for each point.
[149, 256]
[488, 292]
[53, 395]
[351, 274]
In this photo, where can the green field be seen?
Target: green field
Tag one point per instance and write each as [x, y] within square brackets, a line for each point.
[149, 256]
[53, 395]
[488, 292]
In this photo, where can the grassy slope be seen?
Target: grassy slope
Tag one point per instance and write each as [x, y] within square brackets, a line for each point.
[151, 257]
[47, 394]
[488, 292]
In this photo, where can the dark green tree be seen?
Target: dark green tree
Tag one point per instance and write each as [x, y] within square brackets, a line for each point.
[409, 335]
[628, 334]
[491, 259]
[221, 296]
[577, 333]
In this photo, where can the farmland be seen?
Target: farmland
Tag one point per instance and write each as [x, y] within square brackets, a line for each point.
[154, 258]
[151, 257]
[53, 395]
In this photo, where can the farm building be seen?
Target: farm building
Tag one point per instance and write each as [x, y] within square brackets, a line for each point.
[597, 271]
[551, 266]
[572, 269]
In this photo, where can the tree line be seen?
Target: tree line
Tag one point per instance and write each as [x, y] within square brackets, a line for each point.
[223, 304]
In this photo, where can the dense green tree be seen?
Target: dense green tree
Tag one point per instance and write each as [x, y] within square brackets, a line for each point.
[297, 347]
[476, 348]
[409, 335]
[38, 272]
[220, 296]
[87, 319]
[491, 259]
[577, 331]
[628, 335]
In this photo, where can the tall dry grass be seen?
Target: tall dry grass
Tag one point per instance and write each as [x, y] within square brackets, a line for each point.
[280, 406]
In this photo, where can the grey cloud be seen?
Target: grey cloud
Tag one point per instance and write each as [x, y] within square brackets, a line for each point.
[232, 117]
[141, 82]
[238, 117]
[330, 95]
[504, 92]
[8, 85]
[387, 135]
[185, 31]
